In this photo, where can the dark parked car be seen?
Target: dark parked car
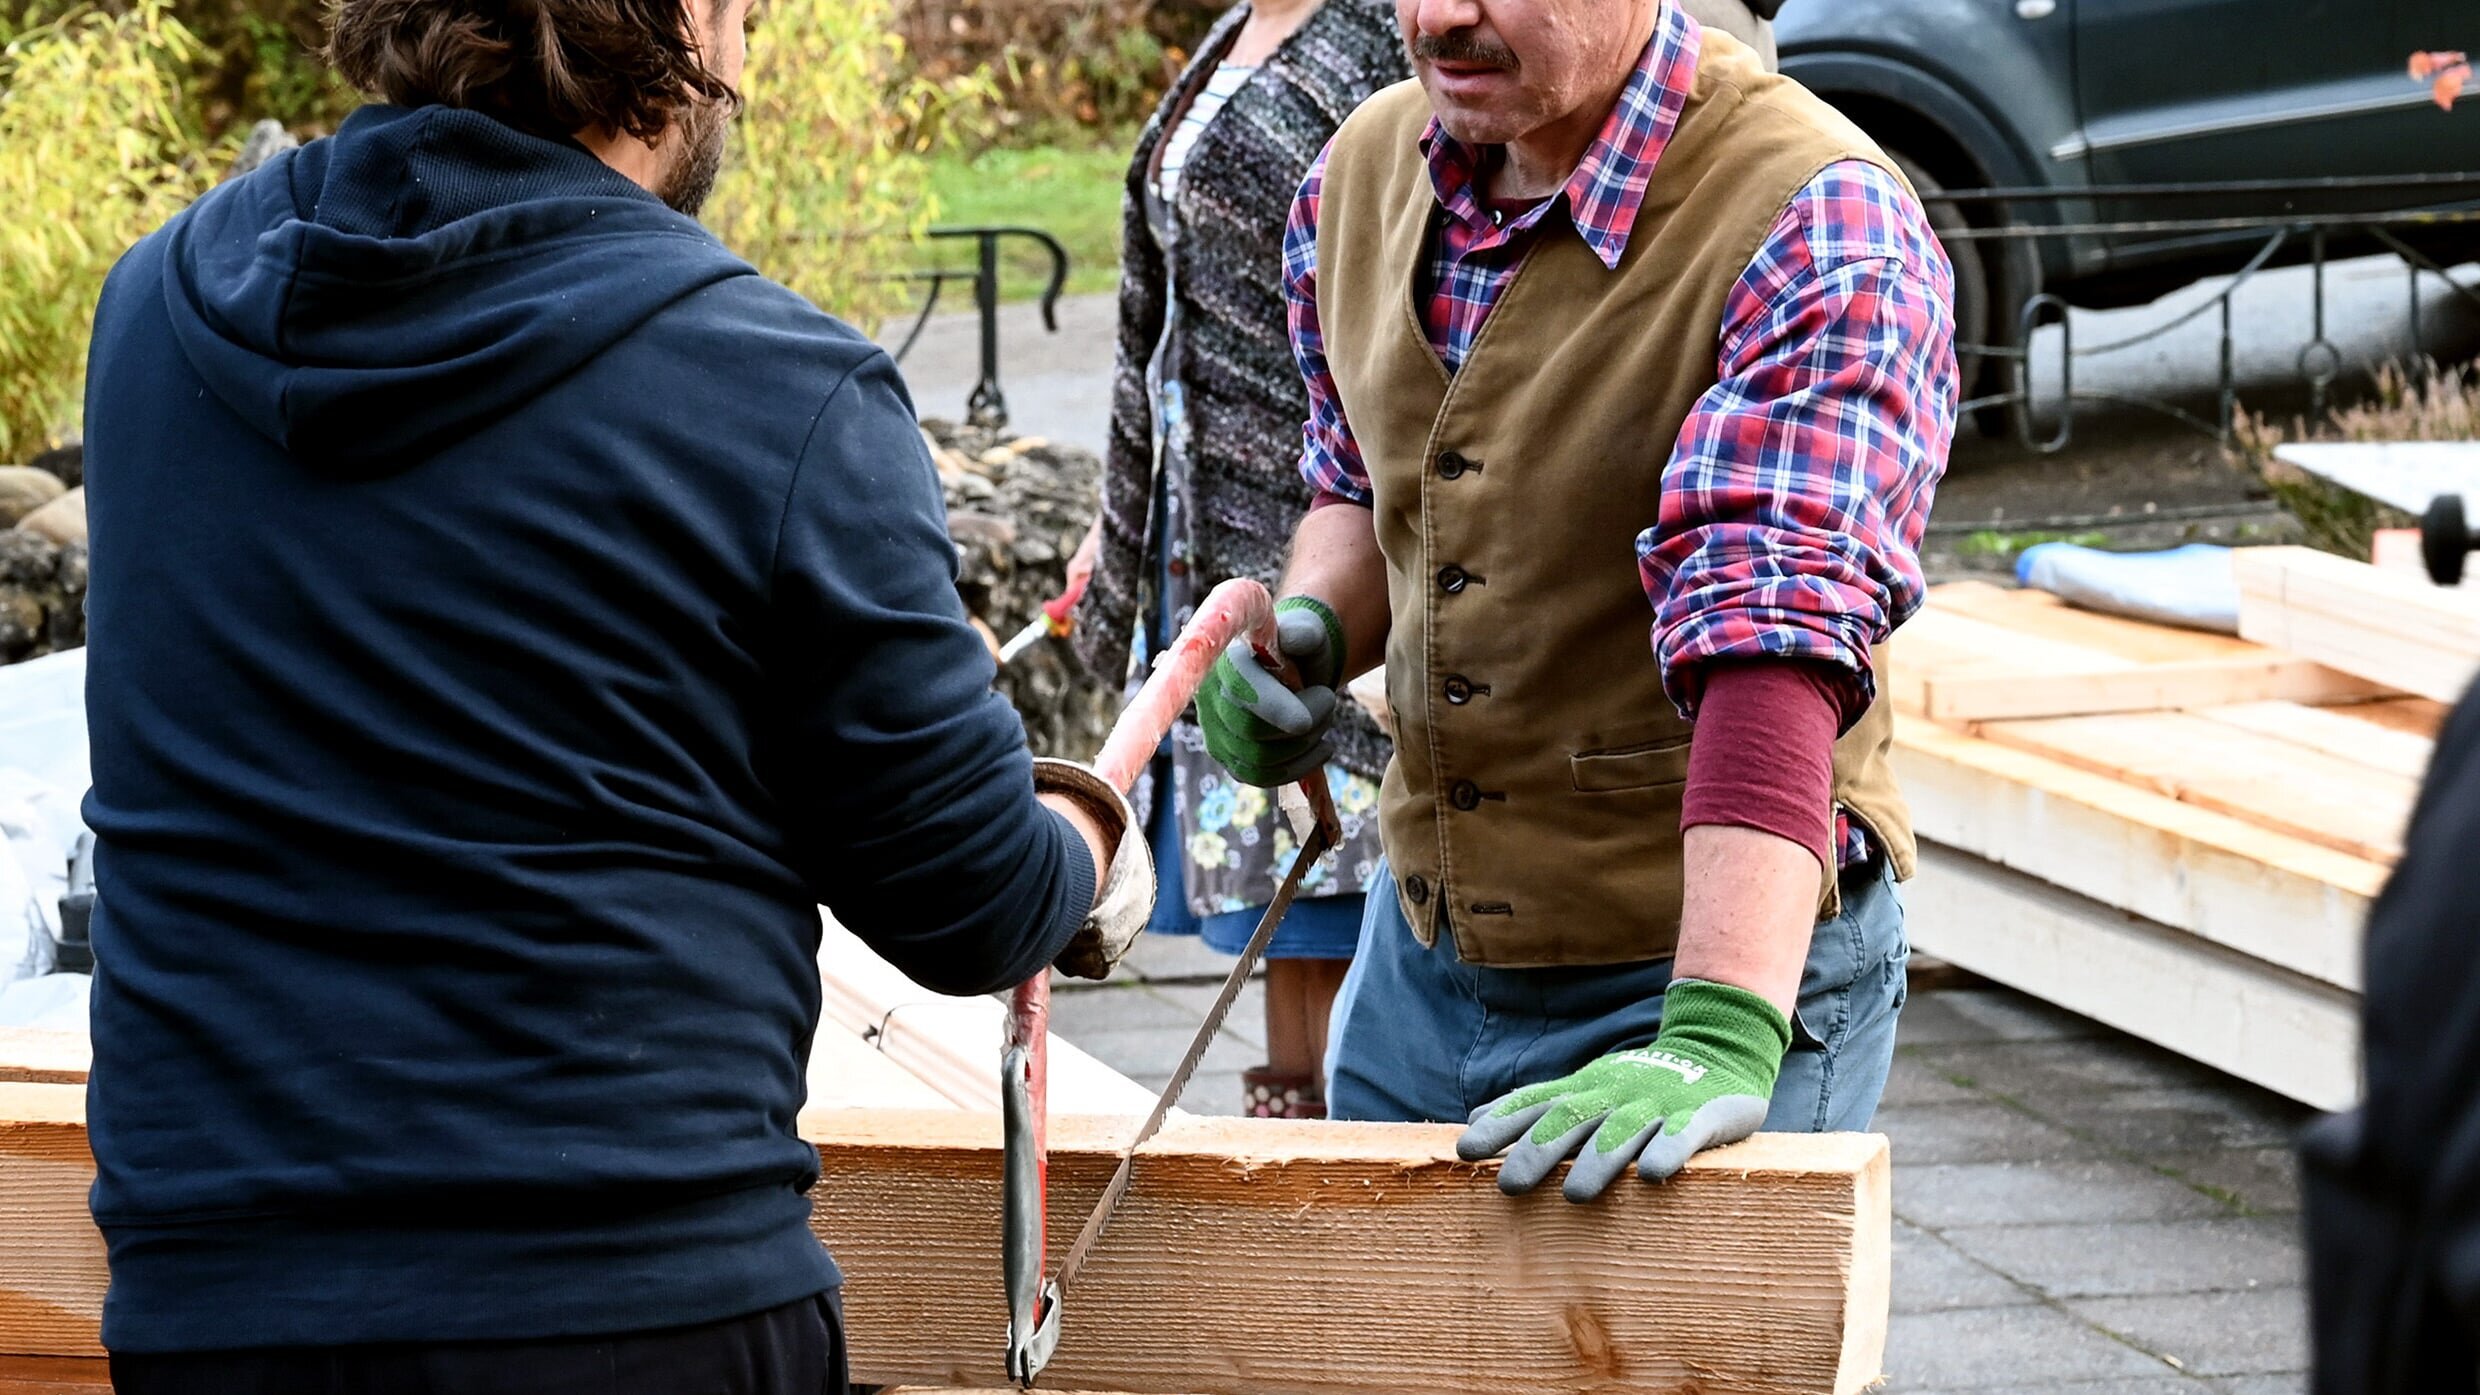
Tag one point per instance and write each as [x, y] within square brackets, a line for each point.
[2067, 95]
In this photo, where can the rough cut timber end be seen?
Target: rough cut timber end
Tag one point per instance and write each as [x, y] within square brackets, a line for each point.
[1282, 1258]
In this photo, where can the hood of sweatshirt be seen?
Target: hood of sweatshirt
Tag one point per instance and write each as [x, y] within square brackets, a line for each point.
[372, 297]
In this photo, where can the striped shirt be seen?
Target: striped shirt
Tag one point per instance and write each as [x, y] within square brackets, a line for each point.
[1226, 80]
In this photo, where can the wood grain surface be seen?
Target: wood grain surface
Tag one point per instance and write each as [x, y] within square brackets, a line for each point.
[1259, 1256]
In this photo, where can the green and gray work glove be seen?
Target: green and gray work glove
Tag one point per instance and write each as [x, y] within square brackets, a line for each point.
[1264, 733]
[1705, 1081]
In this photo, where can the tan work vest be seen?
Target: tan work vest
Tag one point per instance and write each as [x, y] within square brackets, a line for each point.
[1533, 804]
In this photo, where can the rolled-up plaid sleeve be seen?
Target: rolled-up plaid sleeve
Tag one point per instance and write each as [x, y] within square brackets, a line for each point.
[1796, 497]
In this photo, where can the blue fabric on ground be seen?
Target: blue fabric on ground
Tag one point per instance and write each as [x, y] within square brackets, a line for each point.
[2190, 586]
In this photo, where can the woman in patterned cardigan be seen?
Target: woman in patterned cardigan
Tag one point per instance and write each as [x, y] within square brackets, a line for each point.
[1201, 480]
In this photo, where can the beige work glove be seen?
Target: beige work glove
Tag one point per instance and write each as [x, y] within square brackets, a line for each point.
[1127, 899]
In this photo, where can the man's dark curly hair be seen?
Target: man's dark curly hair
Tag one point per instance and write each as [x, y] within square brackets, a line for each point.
[547, 67]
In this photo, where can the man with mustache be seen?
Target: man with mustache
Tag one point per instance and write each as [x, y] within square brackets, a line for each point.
[1609, 334]
[511, 616]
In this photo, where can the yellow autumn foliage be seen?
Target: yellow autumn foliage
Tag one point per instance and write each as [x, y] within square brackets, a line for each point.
[827, 190]
[95, 152]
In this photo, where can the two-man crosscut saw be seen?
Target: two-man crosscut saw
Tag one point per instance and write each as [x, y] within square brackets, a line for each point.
[1238, 609]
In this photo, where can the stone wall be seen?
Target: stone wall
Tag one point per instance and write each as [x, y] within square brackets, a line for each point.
[1017, 506]
[42, 555]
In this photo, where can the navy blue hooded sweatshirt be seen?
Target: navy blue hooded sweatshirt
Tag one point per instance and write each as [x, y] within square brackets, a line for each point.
[511, 616]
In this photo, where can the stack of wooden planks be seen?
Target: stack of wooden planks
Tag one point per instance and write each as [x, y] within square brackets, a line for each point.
[2175, 832]
[1259, 1256]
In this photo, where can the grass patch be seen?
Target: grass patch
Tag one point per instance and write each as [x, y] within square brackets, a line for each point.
[1990, 542]
[1070, 192]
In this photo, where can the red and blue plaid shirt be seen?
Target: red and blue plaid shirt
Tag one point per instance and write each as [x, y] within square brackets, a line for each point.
[1795, 498]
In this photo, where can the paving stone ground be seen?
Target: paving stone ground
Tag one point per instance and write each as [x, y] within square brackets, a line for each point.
[2076, 1212]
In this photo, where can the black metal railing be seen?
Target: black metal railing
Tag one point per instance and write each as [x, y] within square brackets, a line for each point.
[2319, 362]
[987, 406]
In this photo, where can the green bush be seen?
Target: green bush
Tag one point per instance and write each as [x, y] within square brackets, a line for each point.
[249, 59]
[1064, 69]
[96, 150]
[828, 191]
[112, 120]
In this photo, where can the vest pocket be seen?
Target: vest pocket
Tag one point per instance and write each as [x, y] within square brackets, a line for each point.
[1644, 765]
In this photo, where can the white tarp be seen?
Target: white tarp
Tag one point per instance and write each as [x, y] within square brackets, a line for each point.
[44, 772]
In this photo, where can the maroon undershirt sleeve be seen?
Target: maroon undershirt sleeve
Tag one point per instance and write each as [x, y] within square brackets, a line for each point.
[1763, 757]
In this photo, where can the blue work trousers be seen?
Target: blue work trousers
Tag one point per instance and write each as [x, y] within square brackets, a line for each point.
[1421, 1036]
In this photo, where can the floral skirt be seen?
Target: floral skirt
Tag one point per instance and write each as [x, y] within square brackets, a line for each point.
[1221, 849]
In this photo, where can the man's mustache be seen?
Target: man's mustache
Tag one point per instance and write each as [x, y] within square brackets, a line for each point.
[1461, 47]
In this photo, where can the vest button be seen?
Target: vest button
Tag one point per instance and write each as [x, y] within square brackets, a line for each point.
[1416, 886]
[1459, 689]
[1453, 579]
[1451, 465]
[1465, 795]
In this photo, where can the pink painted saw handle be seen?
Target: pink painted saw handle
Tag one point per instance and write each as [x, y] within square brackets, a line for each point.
[1237, 609]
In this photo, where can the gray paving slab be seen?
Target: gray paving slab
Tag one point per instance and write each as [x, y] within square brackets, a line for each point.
[1057, 386]
[1981, 1131]
[2248, 1332]
[2006, 1348]
[1999, 1014]
[1117, 1007]
[2042, 1071]
[1932, 1276]
[1914, 1081]
[2168, 1383]
[2194, 1119]
[1933, 1019]
[2263, 1180]
[2121, 1258]
[1247, 1021]
[2291, 1383]
[1151, 1053]
[1210, 1091]
[2043, 1190]
[1178, 957]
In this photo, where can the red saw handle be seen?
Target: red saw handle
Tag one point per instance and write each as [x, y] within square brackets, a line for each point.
[1237, 609]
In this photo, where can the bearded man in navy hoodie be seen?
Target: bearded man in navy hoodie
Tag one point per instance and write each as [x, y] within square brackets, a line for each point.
[511, 616]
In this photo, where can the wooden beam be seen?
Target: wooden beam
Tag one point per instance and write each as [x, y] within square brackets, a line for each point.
[55, 1375]
[1252, 1256]
[1978, 653]
[2274, 784]
[2295, 904]
[2260, 677]
[2398, 630]
[846, 1072]
[2349, 732]
[2257, 1021]
[51, 1258]
[2044, 616]
[952, 1044]
[42, 1055]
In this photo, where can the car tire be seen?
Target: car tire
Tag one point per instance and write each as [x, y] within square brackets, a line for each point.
[1980, 291]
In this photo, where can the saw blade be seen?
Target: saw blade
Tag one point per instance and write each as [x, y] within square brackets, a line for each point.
[1319, 842]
